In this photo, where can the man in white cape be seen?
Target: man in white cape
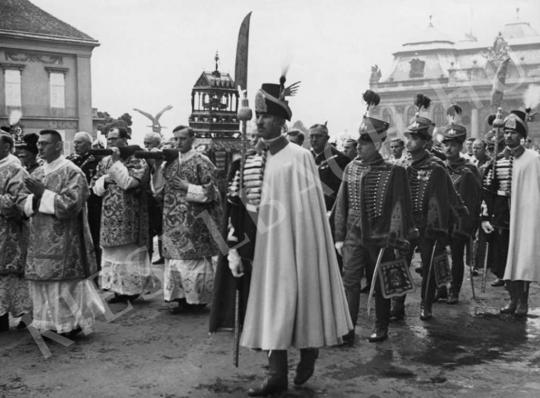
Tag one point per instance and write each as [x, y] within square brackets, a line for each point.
[523, 261]
[296, 295]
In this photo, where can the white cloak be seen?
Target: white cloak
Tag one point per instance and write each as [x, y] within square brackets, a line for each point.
[296, 296]
[523, 261]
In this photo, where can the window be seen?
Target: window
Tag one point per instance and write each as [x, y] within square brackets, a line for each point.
[13, 87]
[417, 68]
[57, 90]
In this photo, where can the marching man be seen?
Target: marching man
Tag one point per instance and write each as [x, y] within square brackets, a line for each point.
[296, 296]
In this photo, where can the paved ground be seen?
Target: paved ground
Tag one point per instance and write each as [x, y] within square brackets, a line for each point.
[466, 350]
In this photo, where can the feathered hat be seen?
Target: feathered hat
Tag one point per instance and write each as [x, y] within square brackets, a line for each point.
[517, 119]
[271, 98]
[454, 131]
[372, 128]
[453, 114]
[420, 124]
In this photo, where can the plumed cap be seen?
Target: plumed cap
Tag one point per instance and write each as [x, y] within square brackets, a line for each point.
[372, 128]
[516, 121]
[453, 114]
[271, 98]
[454, 132]
[421, 124]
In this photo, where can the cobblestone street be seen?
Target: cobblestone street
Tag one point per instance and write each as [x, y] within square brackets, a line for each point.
[466, 350]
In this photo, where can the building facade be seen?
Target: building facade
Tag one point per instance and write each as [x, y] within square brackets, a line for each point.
[45, 70]
[462, 72]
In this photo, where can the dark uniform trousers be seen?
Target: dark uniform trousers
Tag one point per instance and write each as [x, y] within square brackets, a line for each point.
[358, 259]
[498, 251]
[425, 246]
[457, 246]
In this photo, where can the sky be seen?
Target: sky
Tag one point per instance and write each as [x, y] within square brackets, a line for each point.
[152, 51]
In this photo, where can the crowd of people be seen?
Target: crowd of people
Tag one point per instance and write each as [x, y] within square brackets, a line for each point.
[291, 245]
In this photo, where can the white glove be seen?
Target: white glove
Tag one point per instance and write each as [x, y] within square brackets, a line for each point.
[235, 263]
[339, 248]
[487, 227]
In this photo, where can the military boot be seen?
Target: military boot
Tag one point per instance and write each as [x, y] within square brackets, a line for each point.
[306, 366]
[425, 311]
[522, 294]
[382, 318]
[510, 308]
[353, 300]
[397, 310]
[453, 295]
[276, 382]
[4, 322]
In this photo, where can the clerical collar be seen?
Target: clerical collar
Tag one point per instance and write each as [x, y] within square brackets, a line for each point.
[54, 165]
[183, 157]
[275, 145]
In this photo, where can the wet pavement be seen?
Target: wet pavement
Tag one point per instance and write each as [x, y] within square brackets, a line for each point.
[466, 350]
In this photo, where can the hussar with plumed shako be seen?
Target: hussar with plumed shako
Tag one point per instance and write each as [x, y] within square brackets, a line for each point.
[466, 179]
[373, 221]
[433, 197]
[296, 296]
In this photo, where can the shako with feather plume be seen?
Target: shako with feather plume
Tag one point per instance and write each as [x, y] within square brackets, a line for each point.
[372, 128]
[454, 131]
[421, 124]
[271, 98]
[517, 119]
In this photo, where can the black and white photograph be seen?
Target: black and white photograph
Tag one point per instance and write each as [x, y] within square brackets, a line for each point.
[269, 198]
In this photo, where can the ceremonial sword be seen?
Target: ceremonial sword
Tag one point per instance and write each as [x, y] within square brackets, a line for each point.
[430, 270]
[374, 279]
[484, 272]
[468, 257]
[244, 115]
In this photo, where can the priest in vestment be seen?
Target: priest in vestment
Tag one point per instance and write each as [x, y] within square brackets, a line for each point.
[60, 251]
[296, 296]
[14, 294]
[523, 260]
[192, 216]
[123, 183]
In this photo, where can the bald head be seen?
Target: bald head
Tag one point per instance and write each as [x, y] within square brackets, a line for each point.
[152, 140]
[82, 142]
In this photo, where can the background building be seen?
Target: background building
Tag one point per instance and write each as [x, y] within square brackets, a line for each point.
[459, 71]
[44, 70]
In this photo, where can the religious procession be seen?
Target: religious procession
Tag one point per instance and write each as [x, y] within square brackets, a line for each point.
[287, 243]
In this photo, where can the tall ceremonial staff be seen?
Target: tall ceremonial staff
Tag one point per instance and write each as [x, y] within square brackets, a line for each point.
[244, 115]
[498, 124]
[498, 53]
